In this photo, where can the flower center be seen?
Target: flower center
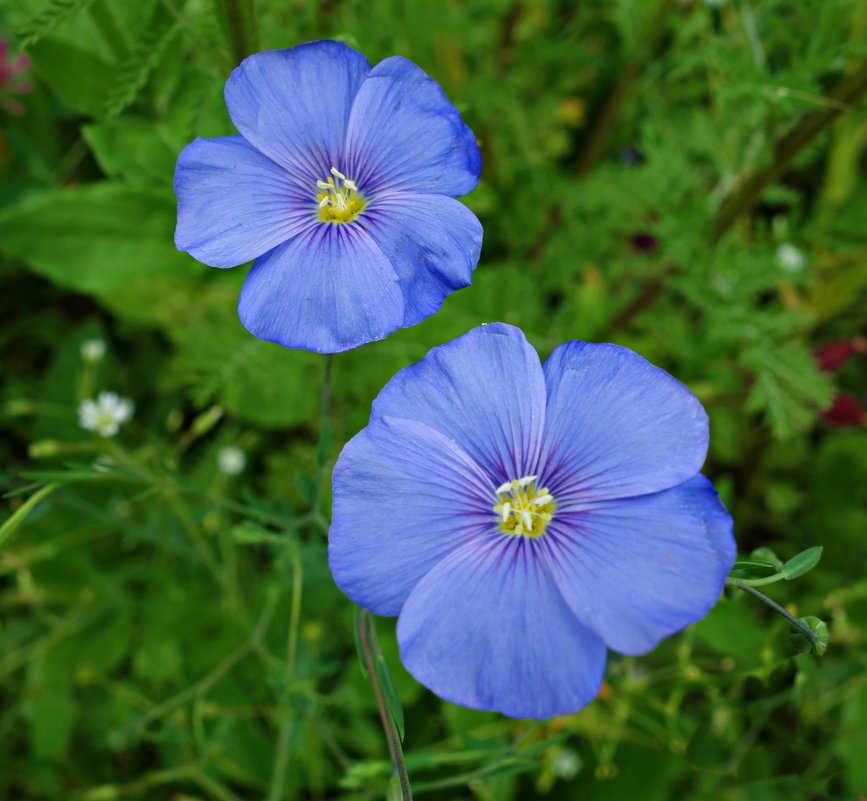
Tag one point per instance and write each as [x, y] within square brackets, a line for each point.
[339, 198]
[524, 509]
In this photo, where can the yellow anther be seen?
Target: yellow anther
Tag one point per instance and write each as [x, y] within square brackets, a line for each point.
[523, 509]
[339, 201]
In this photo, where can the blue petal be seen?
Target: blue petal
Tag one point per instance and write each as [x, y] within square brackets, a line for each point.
[404, 498]
[487, 628]
[404, 134]
[485, 390]
[234, 204]
[294, 104]
[433, 243]
[329, 289]
[617, 426]
[637, 570]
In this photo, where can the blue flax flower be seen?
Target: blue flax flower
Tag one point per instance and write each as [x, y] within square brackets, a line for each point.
[523, 519]
[341, 186]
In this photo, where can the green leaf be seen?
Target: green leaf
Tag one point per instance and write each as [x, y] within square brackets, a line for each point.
[764, 554]
[20, 515]
[386, 685]
[851, 744]
[802, 563]
[135, 70]
[789, 389]
[74, 74]
[49, 706]
[48, 19]
[394, 791]
[249, 533]
[219, 361]
[138, 150]
[753, 570]
[103, 239]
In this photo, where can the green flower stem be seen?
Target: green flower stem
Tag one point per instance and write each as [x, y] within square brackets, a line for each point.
[281, 762]
[370, 648]
[324, 414]
[801, 626]
[761, 582]
[22, 511]
[239, 19]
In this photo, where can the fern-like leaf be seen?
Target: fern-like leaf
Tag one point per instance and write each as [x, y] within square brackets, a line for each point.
[136, 69]
[48, 19]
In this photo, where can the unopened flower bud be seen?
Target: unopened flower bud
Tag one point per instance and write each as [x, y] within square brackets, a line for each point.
[231, 460]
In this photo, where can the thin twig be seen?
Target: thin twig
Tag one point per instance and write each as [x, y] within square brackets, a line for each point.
[798, 624]
[369, 647]
[281, 761]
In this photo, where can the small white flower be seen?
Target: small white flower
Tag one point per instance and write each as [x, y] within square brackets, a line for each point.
[231, 460]
[790, 258]
[92, 350]
[566, 764]
[106, 414]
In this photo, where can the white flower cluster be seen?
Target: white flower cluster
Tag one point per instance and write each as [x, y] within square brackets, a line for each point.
[106, 414]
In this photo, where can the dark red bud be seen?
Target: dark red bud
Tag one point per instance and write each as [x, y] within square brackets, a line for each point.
[833, 355]
[643, 242]
[845, 411]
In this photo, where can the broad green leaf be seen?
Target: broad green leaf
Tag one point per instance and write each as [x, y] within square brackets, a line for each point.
[765, 554]
[394, 792]
[851, 744]
[802, 563]
[753, 570]
[49, 17]
[137, 150]
[78, 76]
[103, 239]
[218, 360]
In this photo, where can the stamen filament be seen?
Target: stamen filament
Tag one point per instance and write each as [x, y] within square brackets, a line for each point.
[338, 201]
[522, 508]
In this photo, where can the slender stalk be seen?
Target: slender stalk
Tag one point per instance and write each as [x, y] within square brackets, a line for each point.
[324, 414]
[370, 648]
[281, 761]
[240, 19]
[21, 513]
[802, 627]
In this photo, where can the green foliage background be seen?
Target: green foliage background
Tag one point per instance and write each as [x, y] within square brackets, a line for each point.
[170, 632]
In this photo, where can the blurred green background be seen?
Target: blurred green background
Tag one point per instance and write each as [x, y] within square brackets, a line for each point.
[679, 176]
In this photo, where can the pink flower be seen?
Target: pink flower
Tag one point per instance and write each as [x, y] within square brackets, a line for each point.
[12, 79]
